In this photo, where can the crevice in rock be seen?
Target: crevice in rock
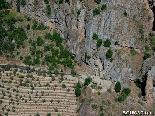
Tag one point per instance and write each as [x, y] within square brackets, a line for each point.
[152, 7]
[143, 84]
[153, 28]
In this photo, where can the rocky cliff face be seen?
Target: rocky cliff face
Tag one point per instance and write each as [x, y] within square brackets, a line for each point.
[150, 86]
[128, 22]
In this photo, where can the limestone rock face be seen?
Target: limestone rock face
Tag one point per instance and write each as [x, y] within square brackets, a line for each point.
[121, 21]
[149, 86]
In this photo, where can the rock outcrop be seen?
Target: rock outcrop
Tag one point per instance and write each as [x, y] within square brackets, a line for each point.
[150, 93]
[121, 21]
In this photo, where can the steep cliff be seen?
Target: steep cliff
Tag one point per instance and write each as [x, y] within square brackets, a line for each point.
[127, 24]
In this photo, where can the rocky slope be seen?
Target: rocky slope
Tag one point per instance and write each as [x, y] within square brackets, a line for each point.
[128, 22]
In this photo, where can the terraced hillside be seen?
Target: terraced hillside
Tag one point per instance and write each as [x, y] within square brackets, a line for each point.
[36, 92]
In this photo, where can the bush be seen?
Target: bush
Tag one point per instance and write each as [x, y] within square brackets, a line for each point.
[1, 101]
[125, 13]
[122, 97]
[116, 43]
[96, 11]
[138, 83]
[18, 5]
[101, 114]
[37, 114]
[104, 6]
[78, 85]
[146, 55]
[101, 108]
[48, 9]
[51, 100]
[95, 36]
[49, 114]
[23, 2]
[28, 27]
[97, 1]
[109, 53]
[46, 1]
[63, 86]
[4, 4]
[73, 72]
[107, 43]
[56, 110]
[133, 52]
[60, 1]
[78, 12]
[56, 72]
[77, 91]
[117, 87]
[99, 43]
[28, 19]
[40, 41]
[140, 95]
[87, 81]
[126, 91]
[94, 106]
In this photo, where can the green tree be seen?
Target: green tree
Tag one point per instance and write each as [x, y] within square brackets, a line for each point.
[18, 5]
[40, 41]
[125, 13]
[87, 81]
[78, 85]
[23, 2]
[48, 9]
[95, 36]
[99, 43]
[4, 4]
[118, 86]
[46, 1]
[146, 55]
[60, 1]
[126, 91]
[73, 72]
[109, 53]
[122, 97]
[107, 43]
[77, 91]
[97, 1]
[63, 86]
[78, 12]
[104, 6]
[28, 27]
[96, 11]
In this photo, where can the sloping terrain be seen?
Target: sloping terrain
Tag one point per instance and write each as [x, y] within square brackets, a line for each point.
[101, 51]
[30, 92]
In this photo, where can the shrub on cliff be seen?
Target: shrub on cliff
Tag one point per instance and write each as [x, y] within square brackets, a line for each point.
[97, 1]
[146, 55]
[109, 53]
[60, 1]
[48, 9]
[95, 36]
[118, 86]
[77, 91]
[87, 81]
[23, 3]
[46, 1]
[99, 43]
[107, 43]
[96, 11]
[104, 6]
[126, 91]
